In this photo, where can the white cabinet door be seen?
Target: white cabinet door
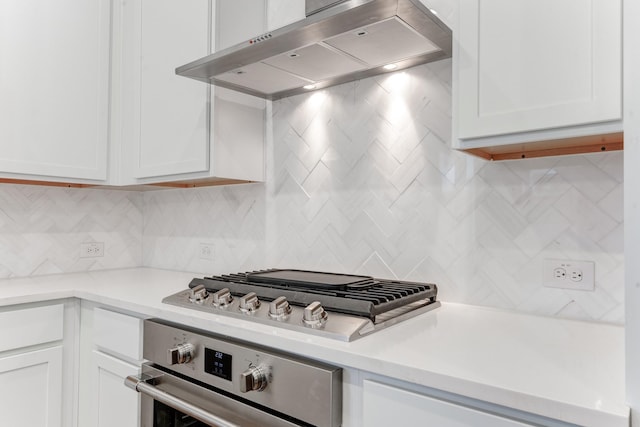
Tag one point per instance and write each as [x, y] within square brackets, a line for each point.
[171, 128]
[169, 121]
[110, 345]
[527, 66]
[386, 406]
[54, 89]
[114, 404]
[31, 388]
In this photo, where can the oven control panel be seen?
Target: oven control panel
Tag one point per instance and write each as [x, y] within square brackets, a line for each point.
[181, 353]
[218, 363]
[282, 382]
[254, 378]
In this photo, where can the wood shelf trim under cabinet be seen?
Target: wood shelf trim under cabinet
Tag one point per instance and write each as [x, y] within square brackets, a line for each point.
[204, 182]
[46, 183]
[558, 147]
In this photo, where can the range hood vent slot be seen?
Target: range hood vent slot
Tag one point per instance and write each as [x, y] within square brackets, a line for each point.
[346, 41]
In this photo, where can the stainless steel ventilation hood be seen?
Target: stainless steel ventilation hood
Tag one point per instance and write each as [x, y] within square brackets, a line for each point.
[346, 41]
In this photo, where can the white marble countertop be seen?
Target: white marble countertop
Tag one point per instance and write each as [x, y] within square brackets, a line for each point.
[566, 370]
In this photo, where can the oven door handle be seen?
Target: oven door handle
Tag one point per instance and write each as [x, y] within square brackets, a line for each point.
[141, 385]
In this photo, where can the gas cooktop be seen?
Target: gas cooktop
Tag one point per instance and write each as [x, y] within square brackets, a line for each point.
[339, 306]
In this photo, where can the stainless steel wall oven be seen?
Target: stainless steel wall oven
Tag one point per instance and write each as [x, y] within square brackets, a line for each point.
[197, 378]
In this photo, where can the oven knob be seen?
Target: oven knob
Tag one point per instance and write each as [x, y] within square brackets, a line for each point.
[279, 309]
[198, 294]
[253, 379]
[249, 303]
[222, 298]
[182, 353]
[314, 315]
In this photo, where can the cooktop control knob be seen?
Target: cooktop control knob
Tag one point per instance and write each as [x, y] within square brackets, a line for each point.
[182, 353]
[253, 379]
[198, 294]
[249, 303]
[222, 298]
[314, 315]
[279, 309]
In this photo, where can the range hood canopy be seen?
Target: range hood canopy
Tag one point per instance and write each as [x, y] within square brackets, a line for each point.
[334, 44]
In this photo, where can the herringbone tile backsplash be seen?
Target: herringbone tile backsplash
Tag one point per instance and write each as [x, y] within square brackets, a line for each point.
[41, 229]
[361, 179]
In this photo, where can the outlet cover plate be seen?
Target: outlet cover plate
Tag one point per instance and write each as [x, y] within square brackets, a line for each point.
[91, 250]
[569, 274]
[206, 251]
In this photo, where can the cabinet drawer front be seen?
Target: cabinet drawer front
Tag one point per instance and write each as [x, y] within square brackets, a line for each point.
[31, 326]
[118, 333]
[385, 405]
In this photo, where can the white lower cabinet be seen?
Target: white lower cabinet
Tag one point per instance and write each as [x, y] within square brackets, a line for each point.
[385, 405]
[31, 388]
[34, 390]
[372, 400]
[114, 405]
[111, 350]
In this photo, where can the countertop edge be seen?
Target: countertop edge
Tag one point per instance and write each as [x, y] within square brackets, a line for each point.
[323, 350]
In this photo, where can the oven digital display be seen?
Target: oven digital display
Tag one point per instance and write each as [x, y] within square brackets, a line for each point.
[217, 363]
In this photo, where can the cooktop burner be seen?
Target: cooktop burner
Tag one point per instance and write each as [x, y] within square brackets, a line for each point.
[338, 305]
[309, 279]
[341, 293]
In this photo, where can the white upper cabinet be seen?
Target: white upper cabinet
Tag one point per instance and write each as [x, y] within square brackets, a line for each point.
[54, 90]
[171, 129]
[170, 113]
[530, 71]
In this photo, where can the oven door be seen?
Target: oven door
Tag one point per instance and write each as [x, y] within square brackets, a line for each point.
[172, 401]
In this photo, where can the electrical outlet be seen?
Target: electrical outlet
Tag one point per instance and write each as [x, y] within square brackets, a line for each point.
[92, 250]
[206, 251]
[559, 273]
[569, 274]
[576, 275]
